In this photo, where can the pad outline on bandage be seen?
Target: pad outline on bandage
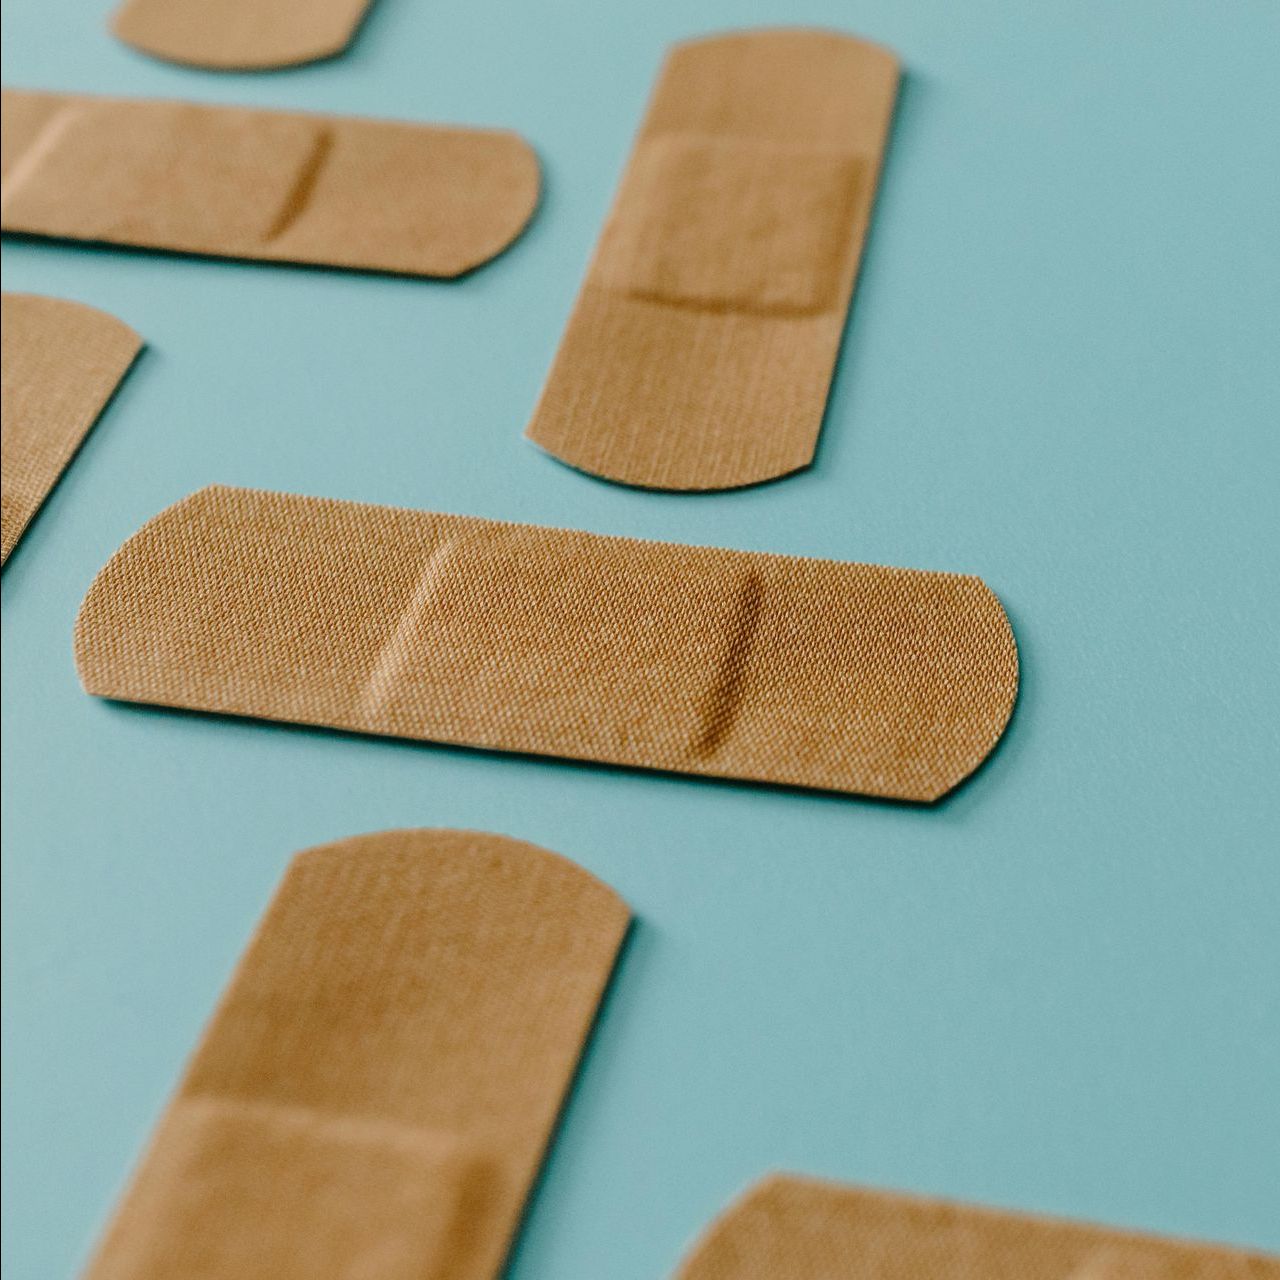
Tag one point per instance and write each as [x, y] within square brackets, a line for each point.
[238, 35]
[62, 364]
[701, 348]
[787, 1227]
[453, 629]
[377, 1087]
[261, 185]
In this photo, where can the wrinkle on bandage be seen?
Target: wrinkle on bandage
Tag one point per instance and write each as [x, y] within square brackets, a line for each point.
[407, 647]
[25, 117]
[376, 1090]
[849, 677]
[724, 698]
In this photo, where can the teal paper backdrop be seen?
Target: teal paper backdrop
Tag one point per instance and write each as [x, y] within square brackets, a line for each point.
[1059, 989]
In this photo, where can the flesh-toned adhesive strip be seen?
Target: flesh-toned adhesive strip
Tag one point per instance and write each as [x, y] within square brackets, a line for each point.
[272, 186]
[701, 349]
[811, 673]
[378, 1085]
[790, 1228]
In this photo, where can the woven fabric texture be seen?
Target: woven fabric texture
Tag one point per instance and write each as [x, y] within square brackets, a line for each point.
[701, 349]
[61, 363]
[788, 1228]
[850, 677]
[240, 35]
[277, 186]
[375, 1092]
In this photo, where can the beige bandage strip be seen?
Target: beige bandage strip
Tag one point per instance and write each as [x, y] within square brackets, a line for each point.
[277, 186]
[788, 1228]
[702, 346]
[62, 362]
[375, 1092]
[239, 35]
[889, 682]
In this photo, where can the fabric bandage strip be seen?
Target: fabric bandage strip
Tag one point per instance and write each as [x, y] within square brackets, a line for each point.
[377, 1087]
[273, 186]
[452, 629]
[789, 1228]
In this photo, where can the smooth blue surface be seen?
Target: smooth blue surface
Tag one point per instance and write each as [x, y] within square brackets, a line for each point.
[1059, 989]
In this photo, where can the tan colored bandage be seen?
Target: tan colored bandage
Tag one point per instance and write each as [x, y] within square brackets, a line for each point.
[788, 1228]
[239, 35]
[889, 682]
[276, 186]
[62, 362]
[378, 1085]
[701, 349]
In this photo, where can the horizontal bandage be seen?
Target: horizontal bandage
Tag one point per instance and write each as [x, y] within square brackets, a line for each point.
[701, 348]
[375, 1092]
[62, 362]
[789, 1228]
[239, 35]
[888, 682]
[274, 186]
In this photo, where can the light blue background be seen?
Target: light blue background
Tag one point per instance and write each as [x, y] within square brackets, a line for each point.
[1057, 990]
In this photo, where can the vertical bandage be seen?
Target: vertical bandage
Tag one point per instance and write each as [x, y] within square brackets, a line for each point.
[701, 348]
[275, 186]
[376, 1089]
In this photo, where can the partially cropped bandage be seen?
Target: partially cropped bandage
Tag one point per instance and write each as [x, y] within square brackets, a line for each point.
[62, 362]
[377, 1087]
[701, 348]
[889, 682]
[239, 35]
[275, 186]
[788, 1228]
